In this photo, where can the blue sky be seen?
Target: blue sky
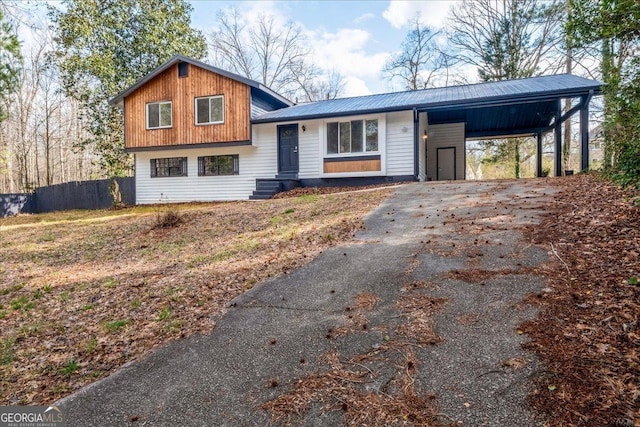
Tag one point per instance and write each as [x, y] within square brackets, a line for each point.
[352, 37]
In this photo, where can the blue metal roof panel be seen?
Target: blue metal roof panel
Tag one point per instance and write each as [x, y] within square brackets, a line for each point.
[561, 85]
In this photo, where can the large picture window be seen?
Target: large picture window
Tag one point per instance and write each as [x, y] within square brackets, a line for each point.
[355, 136]
[159, 115]
[210, 110]
[172, 166]
[219, 165]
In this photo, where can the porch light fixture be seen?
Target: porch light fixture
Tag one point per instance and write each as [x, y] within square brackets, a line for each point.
[304, 128]
[425, 136]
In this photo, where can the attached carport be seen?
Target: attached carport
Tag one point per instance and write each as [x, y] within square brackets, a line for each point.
[526, 107]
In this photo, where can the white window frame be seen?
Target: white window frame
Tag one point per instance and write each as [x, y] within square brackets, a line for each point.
[159, 103]
[195, 110]
[380, 120]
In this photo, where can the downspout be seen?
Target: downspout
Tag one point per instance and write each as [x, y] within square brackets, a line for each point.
[416, 147]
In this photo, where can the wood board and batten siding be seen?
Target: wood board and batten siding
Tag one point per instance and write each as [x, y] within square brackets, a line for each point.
[182, 91]
[446, 136]
[256, 161]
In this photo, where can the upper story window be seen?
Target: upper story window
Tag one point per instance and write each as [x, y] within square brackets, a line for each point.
[355, 136]
[210, 110]
[159, 115]
[170, 166]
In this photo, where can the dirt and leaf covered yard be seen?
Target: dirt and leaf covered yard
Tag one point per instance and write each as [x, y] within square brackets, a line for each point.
[588, 330]
[83, 292]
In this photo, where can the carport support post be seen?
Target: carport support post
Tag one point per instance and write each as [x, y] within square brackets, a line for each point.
[539, 156]
[584, 134]
[558, 146]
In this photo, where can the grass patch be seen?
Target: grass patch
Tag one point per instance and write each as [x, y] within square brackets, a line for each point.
[47, 237]
[11, 289]
[91, 345]
[87, 307]
[309, 198]
[69, 368]
[117, 324]
[223, 255]
[164, 314]
[22, 303]
[6, 350]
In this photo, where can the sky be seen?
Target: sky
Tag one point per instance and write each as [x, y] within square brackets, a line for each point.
[354, 38]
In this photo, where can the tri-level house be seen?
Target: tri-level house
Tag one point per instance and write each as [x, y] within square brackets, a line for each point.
[200, 133]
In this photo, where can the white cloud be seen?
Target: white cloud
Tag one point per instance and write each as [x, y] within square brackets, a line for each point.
[344, 51]
[354, 86]
[363, 18]
[433, 13]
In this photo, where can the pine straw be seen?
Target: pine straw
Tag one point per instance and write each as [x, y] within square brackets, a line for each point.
[341, 389]
[588, 330]
[419, 309]
[355, 317]
[350, 386]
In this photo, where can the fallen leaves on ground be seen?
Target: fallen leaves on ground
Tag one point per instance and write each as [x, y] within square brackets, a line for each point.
[84, 292]
[588, 331]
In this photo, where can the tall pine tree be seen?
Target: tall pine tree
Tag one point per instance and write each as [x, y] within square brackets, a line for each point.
[10, 57]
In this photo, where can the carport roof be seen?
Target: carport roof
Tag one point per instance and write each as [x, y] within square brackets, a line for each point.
[540, 94]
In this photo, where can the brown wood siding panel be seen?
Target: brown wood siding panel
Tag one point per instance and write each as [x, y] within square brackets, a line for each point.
[347, 166]
[182, 91]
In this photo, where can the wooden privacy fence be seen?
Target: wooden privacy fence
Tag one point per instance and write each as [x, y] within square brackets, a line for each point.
[67, 196]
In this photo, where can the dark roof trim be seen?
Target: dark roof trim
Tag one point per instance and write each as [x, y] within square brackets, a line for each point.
[181, 58]
[287, 120]
[189, 146]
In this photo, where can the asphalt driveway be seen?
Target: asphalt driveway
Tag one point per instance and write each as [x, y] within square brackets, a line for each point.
[457, 244]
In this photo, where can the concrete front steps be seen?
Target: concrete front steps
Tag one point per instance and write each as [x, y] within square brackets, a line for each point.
[267, 188]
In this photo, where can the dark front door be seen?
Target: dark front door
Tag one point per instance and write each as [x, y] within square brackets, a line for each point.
[288, 151]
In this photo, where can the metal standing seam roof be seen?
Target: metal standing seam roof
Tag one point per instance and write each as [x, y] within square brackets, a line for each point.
[472, 95]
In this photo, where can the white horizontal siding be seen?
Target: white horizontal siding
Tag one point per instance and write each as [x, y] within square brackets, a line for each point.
[309, 147]
[441, 136]
[399, 139]
[257, 161]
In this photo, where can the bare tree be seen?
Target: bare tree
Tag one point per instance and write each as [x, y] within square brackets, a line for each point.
[420, 61]
[273, 53]
[506, 39]
[39, 141]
